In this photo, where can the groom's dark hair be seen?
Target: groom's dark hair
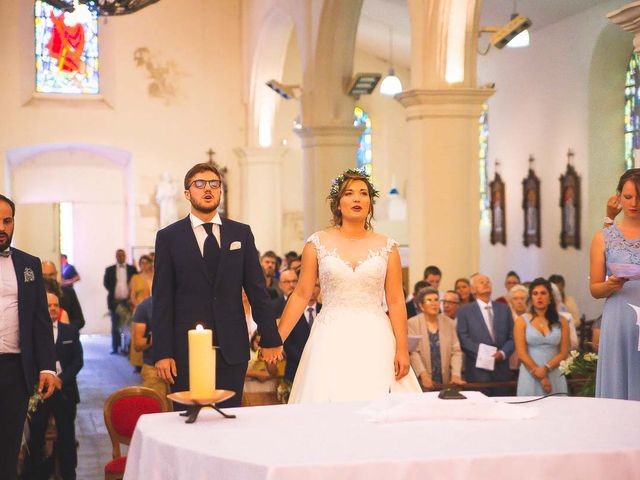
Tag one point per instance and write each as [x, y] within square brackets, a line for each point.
[197, 168]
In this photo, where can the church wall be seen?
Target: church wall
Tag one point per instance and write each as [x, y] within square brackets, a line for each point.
[542, 107]
[199, 43]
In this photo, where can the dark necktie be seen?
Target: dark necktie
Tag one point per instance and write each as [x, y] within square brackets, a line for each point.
[211, 251]
[311, 311]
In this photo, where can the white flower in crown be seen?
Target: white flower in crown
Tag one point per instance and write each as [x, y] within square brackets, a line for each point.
[28, 275]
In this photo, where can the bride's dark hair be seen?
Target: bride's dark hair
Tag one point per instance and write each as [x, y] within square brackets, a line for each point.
[340, 184]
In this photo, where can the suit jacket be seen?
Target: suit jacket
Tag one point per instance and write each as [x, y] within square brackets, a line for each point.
[69, 354]
[109, 282]
[294, 345]
[412, 311]
[36, 334]
[472, 330]
[184, 294]
[450, 353]
[69, 301]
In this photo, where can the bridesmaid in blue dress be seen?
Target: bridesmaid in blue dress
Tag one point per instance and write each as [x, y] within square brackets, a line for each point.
[542, 342]
[618, 373]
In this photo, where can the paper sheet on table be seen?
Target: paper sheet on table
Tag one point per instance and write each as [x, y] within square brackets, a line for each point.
[485, 359]
[427, 406]
[413, 342]
[630, 271]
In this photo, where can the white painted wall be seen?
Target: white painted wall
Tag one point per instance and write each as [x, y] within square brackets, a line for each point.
[542, 107]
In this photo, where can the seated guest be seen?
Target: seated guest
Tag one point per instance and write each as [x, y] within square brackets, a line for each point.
[297, 339]
[438, 358]
[432, 275]
[261, 380]
[62, 404]
[542, 342]
[143, 342]
[489, 323]
[450, 304]
[569, 302]
[511, 280]
[412, 305]
[52, 286]
[67, 297]
[574, 342]
[463, 289]
[288, 282]
[518, 301]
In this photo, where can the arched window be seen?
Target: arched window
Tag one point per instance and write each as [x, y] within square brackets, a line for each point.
[483, 159]
[631, 106]
[364, 157]
[66, 50]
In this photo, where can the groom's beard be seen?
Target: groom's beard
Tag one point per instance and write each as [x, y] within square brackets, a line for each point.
[204, 208]
[5, 241]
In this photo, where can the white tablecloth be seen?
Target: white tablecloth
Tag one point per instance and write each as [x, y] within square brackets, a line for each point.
[568, 438]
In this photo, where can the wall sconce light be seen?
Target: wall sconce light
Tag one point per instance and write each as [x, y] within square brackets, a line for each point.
[285, 91]
[363, 84]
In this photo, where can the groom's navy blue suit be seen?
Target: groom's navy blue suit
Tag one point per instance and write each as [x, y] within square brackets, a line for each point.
[186, 294]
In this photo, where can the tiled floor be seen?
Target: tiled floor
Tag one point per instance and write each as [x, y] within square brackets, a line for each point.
[101, 375]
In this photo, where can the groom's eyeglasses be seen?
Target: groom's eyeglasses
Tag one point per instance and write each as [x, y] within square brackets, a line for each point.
[215, 184]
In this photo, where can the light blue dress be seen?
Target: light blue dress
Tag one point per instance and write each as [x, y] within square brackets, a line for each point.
[542, 348]
[618, 356]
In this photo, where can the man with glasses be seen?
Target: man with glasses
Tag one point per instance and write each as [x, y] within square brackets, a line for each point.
[450, 304]
[202, 263]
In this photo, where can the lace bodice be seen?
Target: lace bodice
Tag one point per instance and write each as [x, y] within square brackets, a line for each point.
[344, 285]
[618, 249]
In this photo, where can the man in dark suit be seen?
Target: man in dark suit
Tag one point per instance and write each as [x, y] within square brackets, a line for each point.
[116, 281]
[491, 323]
[26, 341]
[297, 339]
[62, 404]
[412, 306]
[68, 298]
[202, 263]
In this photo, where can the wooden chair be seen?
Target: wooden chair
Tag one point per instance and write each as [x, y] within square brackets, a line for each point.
[121, 412]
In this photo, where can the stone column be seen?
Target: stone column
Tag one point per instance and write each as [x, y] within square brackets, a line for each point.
[328, 151]
[260, 194]
[443, 193]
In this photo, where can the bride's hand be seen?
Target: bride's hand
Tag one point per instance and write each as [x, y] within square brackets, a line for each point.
[401, 364]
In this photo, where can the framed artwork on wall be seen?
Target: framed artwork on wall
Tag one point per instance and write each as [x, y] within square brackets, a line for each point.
[570, 205]
[531, 207]
[498, 216]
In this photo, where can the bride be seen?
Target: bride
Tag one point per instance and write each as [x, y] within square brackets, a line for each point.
[355, 351]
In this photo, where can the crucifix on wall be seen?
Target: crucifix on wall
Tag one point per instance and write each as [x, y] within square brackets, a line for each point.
[223, 208]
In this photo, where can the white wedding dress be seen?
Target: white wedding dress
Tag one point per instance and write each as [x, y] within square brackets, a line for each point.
[351, 347]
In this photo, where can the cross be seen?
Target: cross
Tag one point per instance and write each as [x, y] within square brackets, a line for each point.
[570, 156]
[211, 153]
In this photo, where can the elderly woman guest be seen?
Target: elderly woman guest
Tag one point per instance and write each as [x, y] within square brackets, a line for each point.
[542, 342]
[463, 289]
[438, 358]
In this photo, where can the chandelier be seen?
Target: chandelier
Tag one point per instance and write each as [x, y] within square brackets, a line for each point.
[104, 8]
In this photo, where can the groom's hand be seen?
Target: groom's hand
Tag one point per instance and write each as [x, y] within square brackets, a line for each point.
[271, 355]
[166, 369]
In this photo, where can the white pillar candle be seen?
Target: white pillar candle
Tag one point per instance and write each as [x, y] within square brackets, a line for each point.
[202, 363]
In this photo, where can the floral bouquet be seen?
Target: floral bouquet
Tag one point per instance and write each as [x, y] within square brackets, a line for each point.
[582, 366]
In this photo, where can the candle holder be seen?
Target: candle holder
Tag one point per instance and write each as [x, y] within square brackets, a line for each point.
[194, 405]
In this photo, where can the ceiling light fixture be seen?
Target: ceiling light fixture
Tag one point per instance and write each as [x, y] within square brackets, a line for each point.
[391, 85]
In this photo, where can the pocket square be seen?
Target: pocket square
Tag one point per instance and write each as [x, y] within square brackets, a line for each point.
[28, 275]
[235, 245]
[64, 342]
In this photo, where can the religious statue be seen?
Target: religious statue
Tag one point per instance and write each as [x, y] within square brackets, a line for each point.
[166, 197]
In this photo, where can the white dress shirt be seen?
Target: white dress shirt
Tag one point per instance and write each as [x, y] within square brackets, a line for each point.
[9, 323]
[122, 285]
[201, 233]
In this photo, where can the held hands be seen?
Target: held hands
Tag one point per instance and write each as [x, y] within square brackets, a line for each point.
[47, 379]
[401, 363]
[166, 369]
[539, 372]
[546, 385]
[271, 355]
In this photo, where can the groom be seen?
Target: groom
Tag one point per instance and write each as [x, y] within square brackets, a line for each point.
[202, 263]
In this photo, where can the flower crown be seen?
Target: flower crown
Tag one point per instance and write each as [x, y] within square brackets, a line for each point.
[337, 182]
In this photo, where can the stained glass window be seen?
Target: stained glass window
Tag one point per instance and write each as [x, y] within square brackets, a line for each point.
[66, 50]
[484, 157]
[631, 106]
[364, 156]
